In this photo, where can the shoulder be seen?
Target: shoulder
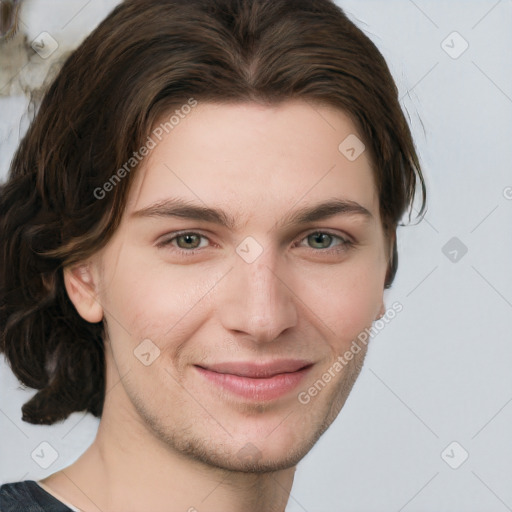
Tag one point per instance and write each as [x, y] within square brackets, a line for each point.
[27, 496]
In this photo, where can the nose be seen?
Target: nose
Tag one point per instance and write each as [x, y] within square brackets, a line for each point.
[257, 299]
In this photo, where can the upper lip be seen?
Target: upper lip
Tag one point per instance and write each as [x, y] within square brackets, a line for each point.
[258, 370]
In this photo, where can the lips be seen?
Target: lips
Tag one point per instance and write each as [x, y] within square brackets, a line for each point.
[258, 370]
[256, 381]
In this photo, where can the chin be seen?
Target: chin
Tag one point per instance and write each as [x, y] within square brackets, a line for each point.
[259, 454]
[250, 459]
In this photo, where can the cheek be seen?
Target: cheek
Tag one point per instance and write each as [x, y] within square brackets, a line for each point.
[154, 300]
[345, 298]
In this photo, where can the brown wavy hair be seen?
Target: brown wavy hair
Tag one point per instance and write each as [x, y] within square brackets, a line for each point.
[145, 59]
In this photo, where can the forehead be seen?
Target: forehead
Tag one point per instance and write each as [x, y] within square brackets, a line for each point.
[257, 160]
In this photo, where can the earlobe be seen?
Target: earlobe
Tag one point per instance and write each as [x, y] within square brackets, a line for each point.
[82, 291]
[382, 311]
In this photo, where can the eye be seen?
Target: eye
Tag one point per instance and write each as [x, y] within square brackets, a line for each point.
[186, 242]
[327, 241]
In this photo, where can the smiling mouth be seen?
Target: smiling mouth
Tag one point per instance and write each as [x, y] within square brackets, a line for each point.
[260, 382]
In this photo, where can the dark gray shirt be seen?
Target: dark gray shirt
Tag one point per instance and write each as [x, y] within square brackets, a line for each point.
[27, 496]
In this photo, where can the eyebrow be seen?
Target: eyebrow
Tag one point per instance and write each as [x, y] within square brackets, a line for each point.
[177, 207]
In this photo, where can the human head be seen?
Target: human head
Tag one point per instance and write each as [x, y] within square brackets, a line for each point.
[144, 62]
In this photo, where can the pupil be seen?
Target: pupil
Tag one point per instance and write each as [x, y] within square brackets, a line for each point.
[320, 238]
[188, 239]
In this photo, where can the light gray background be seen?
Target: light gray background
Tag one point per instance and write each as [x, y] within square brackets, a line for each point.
[441, 371]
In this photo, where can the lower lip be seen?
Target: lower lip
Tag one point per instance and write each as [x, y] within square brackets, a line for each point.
[256, 389]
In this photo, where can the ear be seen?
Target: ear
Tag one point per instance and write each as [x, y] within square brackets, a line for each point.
[81, 284]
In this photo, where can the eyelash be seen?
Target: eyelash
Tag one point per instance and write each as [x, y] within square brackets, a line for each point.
[343, 246]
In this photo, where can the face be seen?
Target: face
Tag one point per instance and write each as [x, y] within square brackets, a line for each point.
[229, 291]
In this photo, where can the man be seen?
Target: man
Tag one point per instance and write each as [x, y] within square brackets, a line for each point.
[213, 225]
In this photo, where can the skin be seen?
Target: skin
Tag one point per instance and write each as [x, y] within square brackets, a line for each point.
[169, 440]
